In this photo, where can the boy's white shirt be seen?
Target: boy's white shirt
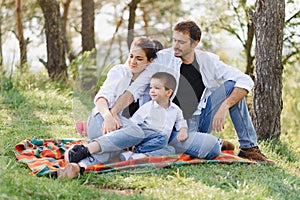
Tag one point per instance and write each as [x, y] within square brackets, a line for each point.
[158, 118]
[214, 73]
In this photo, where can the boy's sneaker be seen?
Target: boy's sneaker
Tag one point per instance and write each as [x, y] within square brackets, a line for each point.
[77, 153]
[125, 155]
[227, 146]
[137, 156]
[255, 154]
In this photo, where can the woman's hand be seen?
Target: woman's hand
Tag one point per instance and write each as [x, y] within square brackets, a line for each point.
[117, 120]
[109, 123]
[182, 135]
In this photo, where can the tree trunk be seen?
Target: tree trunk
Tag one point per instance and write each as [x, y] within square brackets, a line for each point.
[1, 52]
[20, 35]
[56, 63]
[64, 21]
[87, 75]
[268, 20]
[87, 30]
[248, 48]
[146, 22]
[132, 8]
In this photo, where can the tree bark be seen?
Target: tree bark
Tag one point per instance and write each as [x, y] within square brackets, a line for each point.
[88, 78]
[132, 8]
[268, 20]
[87, 30]
[20, 34]
[64, 22]
[248, 48]
[1, 52]
[56, 63]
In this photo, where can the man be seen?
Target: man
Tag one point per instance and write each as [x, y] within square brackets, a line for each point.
[215, 87]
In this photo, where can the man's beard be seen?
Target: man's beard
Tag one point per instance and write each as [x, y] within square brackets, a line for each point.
[178, 51]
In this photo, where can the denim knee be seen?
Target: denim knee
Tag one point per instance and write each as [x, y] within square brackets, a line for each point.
[94, 126]
[229, 85]
[215, 151]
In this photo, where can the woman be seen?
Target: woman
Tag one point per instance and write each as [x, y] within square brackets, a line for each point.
[119, 78]
[106, 144]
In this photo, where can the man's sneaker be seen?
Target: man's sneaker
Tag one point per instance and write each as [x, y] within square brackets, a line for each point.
[77, 153]
[227, 146]
[255, 154]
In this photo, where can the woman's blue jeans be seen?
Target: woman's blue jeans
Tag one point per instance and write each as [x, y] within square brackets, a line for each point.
[113, 143]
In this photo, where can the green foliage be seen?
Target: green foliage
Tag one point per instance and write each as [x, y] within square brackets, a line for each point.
[78, 62]
[35, 107]
[290, 125]
[6, 83]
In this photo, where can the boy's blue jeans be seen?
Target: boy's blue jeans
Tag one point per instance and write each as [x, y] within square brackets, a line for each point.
[153, 141]
[130, 134]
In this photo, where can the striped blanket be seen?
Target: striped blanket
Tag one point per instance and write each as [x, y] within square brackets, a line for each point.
[45, 156]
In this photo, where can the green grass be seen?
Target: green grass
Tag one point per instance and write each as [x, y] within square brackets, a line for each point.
[37, 108]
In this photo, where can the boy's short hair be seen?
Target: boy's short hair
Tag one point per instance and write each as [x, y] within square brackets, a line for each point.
[168, 79]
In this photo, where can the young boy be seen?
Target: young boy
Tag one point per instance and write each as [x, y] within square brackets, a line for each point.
[158, 117]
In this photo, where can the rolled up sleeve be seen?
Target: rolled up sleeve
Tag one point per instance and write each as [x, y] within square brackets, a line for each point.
[226, 72]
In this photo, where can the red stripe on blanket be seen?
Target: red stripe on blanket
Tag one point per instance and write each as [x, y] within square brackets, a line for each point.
[45, 156]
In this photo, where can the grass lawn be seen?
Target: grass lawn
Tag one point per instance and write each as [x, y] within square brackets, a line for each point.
[33, 108]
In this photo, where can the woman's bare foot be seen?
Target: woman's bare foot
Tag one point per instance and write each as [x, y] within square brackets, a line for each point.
[70, 171]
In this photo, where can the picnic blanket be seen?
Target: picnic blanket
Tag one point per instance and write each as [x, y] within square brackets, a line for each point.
[46, 156]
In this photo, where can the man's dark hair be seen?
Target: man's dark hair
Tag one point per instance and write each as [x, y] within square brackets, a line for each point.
[189, 27]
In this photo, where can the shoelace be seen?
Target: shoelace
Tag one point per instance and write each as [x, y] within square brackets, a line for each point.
[91, 158]
[258, 151]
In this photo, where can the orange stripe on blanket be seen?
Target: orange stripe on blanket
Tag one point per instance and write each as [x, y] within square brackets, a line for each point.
[45, 156]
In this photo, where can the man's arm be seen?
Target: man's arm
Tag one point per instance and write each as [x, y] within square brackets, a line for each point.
[135, 90]
[219, 119]
[122, 102]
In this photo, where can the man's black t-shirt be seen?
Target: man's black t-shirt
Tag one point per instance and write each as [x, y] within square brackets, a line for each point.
[190, 88]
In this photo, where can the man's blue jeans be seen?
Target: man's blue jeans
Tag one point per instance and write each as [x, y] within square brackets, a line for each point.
[200, 144]
[238, 113]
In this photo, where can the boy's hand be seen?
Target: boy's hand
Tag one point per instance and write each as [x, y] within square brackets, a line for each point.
[182, 135]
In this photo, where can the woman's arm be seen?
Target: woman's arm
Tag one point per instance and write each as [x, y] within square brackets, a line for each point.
[109, 123]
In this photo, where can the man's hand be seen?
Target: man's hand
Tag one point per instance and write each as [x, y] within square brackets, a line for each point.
[218, 123]
[182, 135]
